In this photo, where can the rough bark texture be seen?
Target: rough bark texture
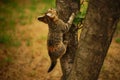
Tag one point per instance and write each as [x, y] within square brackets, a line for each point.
[65, 8]
[95, 39]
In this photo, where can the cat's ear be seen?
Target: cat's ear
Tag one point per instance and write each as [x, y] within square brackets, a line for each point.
[51, 15]
[43, 19]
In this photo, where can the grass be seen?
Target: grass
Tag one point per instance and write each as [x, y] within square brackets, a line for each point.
[12, 24]
[16, 43]
[5, 39]
[22, 16]
[23, 22]
[117, 40]
[30, 18]
[6, 1]
[43, 37]
[50, 3]
[8, 59]
[2, 18]
[32, 8]
[28, 42]
[20, 10]
[118, 28]
[11, 14]
[44, 10]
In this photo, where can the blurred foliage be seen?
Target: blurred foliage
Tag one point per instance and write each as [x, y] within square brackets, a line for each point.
[117, 33]
[16, 43]
[19, 12]
[5, 39]
[117, 40]
[8, 59]
[43, 37]
[28, 42]
[118, 28]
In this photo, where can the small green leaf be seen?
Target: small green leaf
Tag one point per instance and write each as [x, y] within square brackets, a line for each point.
[78, 18]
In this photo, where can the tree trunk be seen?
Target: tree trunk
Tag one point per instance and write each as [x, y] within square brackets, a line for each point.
[95, 39]
[65, 8]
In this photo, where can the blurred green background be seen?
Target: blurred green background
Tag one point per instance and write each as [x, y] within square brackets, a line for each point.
[19, 12]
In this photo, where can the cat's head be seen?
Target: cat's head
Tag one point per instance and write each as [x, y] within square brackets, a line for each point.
[49, 16]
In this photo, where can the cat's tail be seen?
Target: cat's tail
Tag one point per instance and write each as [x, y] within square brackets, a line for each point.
[53, 64]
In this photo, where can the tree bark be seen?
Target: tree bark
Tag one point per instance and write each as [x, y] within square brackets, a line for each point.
[95, 39]
[65, 8]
